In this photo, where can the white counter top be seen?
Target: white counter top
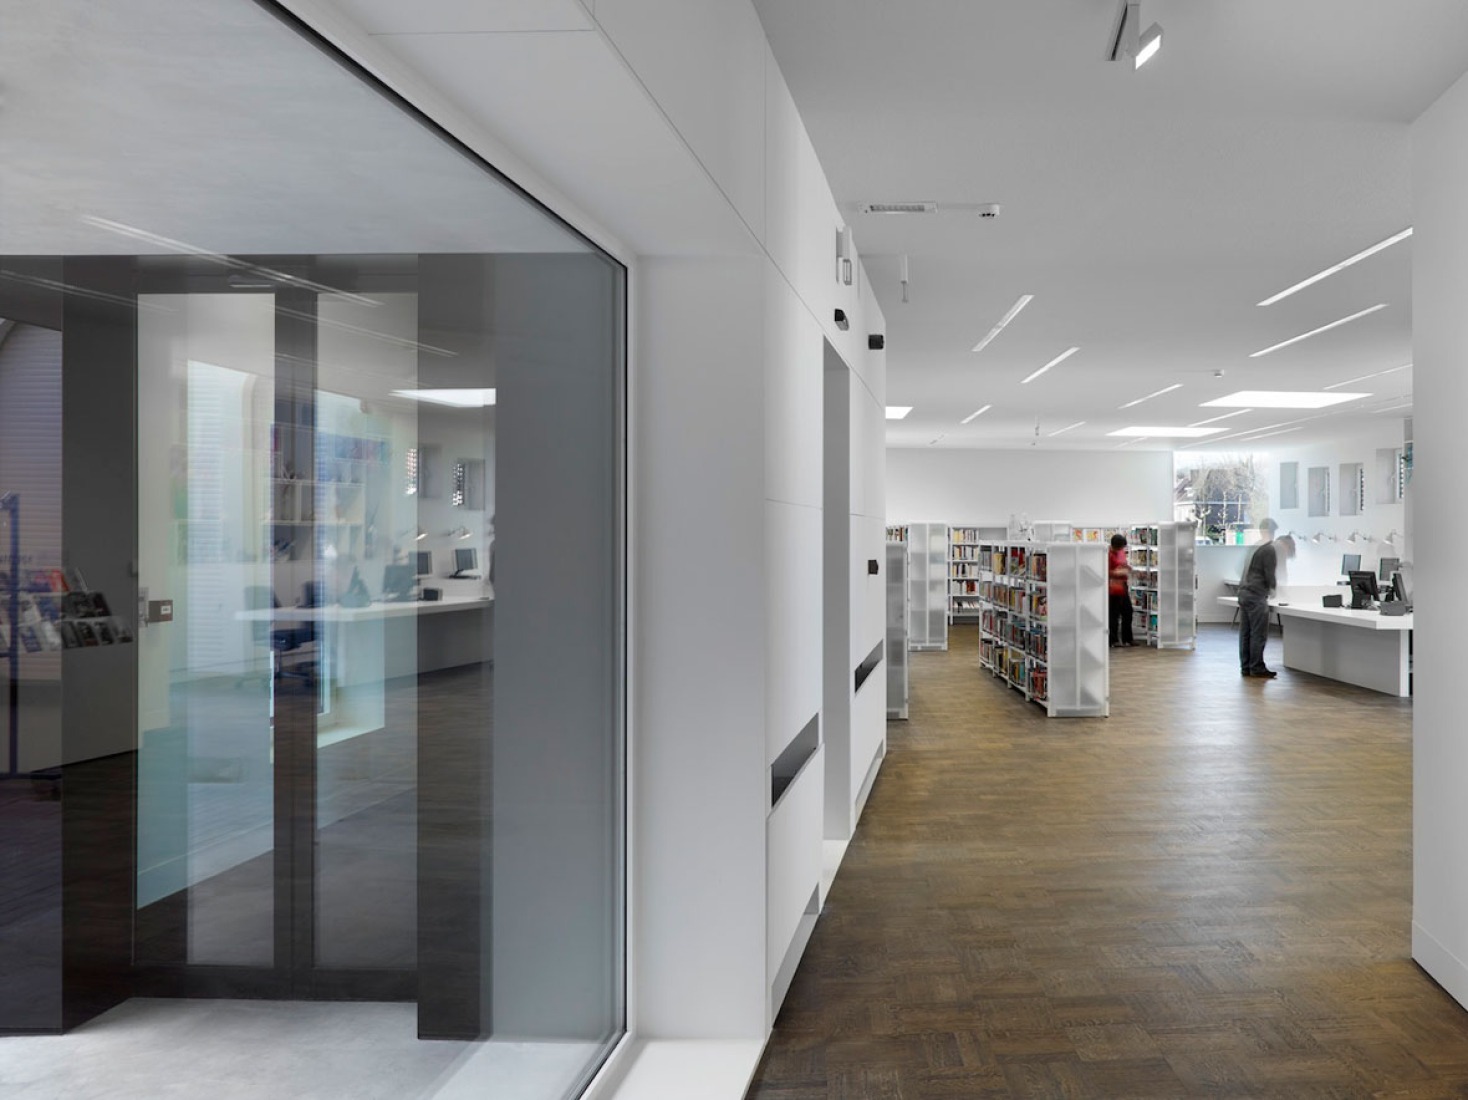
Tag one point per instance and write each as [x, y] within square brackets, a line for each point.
[335, 613]
[1345, 616]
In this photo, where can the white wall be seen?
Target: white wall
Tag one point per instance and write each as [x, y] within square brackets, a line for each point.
[1320, 562]
[984, 488]
[1439, 337]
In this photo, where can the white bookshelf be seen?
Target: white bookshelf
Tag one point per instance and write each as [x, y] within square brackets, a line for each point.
[1042, 625]
[964, 544]
[898, 618]
[927, 560]
[1079, 645]
[1142, 557]
[1177, 610]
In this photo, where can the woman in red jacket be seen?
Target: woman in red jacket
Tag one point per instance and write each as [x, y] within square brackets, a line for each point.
[1119, 573]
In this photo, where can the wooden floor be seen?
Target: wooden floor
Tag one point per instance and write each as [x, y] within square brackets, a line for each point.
[1206, 894]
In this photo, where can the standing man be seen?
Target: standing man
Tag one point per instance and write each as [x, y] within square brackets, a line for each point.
[1255, 587]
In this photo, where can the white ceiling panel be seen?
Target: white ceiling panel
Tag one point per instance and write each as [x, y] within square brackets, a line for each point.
[466, 16]
[1148, 211]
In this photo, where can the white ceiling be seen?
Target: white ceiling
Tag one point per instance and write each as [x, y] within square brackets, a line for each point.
[1147, 211]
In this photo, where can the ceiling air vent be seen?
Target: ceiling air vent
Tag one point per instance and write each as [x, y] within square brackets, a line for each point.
[899, 208]
[982, 209]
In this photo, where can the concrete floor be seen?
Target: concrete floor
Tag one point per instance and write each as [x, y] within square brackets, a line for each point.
[250, 1050]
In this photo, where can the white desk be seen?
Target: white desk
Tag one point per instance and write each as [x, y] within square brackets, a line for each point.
[396, 609]
[1365, 648]
[359, 649]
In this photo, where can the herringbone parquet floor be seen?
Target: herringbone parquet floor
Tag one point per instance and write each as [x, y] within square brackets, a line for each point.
[1206, 894]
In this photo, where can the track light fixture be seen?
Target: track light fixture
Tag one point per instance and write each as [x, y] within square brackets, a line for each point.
[845, 249]
[1128, 40]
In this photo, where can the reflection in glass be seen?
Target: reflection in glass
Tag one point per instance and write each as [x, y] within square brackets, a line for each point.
[379, 454]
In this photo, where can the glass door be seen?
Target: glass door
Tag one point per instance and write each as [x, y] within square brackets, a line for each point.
[277, 703]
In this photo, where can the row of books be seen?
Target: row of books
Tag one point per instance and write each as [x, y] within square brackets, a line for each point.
[51, 607]
[47, 636]
[1034, 602]
[1023, 634]
[43, 580]
[1031, 677]
[1017, 561]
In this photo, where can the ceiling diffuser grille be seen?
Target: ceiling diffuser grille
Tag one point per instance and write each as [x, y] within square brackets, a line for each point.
[982, 209]
[899, 208]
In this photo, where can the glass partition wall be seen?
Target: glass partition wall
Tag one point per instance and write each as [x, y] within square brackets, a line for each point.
[322, 550]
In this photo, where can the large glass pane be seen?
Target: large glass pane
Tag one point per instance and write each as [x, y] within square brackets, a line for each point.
[370, 742]
[367, 537]
[30, 669]
[208, 510]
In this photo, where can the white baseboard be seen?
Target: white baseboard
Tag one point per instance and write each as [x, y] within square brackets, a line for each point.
[1442, 965]
[686, 1069]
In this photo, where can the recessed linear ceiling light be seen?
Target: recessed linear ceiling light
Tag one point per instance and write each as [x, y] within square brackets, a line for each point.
[1329, 271]
[458, 399]
[1373, 374]
[1266, 435]
[1281, 399]
[1068, 427]
[897, 412]
[1394, 408]
[1061, 358]
[1315, 331]
[1024, 300]
[975, 414]
[1129, 442]
[1159, 393]
[1175, 433]
[1216, 419]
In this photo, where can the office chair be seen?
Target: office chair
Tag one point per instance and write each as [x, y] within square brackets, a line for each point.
[290, 639]
[260, 597]
[280, 638]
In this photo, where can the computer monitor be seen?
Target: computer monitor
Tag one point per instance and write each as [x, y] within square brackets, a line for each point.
[1363, 588]
[1401, 588]
[465, 560]
[1387, 568]
[423, 563]
[397, 582]
[1350, 563]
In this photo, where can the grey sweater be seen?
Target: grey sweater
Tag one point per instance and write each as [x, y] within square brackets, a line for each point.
[1259, 574]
